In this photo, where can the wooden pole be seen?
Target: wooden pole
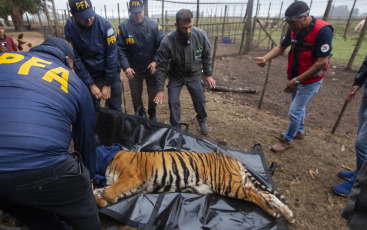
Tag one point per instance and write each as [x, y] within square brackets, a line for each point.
[214, 51]
[118, 12]
[67, 8]
[224, 19]
[105, 11]
[267, 19]
[163, 24]
[340, 117]
[39, 18]
[248, 27]
[358, 45]
[266, 32]
[350, 16]
[254, 22]
[259, 26]
[310, 5]
[56, 20]
[327, 11]
[197, 13]
[266, 81]
[46, 12]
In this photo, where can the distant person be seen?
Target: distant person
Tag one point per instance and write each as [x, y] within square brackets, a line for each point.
[44, 106]
[94, 43]
[7, 43]
[308, 58]
[21, 42]
[184, 54]
[361, 141]
[138, 40]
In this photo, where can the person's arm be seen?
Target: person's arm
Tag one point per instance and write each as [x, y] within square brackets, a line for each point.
[275, 52]
[123, 53]
[83, 130]
[157, 41]
[359, 80]
[79, 66]
[111, 58]
[162, 63]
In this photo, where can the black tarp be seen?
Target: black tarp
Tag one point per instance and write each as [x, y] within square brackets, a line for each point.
[181, 210]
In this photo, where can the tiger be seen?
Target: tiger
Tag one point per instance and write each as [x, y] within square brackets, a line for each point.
[130, 173]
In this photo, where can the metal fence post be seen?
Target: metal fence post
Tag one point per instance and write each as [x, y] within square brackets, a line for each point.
[327, 11]
[350, 15]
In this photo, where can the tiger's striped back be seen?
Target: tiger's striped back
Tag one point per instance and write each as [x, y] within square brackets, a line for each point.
[131, 173]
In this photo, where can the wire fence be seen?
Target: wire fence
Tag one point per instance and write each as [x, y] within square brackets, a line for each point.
[225, 22]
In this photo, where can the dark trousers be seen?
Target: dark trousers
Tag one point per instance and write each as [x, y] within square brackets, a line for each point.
[136, 88]
[196, 90]
[54, 197]
[115, 101]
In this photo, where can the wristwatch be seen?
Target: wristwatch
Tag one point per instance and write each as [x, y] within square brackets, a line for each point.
[295, 81]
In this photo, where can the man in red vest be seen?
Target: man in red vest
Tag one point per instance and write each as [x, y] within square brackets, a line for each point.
[308, 59]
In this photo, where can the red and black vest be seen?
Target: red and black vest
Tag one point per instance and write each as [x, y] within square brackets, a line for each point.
[301, 55]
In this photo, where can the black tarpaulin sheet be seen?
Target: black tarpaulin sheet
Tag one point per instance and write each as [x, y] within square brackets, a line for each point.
[181, 210]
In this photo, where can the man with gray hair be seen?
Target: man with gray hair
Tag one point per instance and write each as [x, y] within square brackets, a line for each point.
[186, 52]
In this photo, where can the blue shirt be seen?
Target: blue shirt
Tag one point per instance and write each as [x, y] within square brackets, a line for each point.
[40, 100]
[95, 50]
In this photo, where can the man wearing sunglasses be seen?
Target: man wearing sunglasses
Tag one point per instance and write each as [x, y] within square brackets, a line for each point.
[308, 59]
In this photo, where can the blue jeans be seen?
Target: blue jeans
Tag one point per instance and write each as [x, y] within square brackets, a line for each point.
[297, 111]
[136, 88]
[361, 141]
[196, 90]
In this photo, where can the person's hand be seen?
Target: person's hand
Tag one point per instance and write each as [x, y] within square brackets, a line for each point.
[159, 98]
[129, 73]
[96, 92]
[151, 67]
[210, 81]
[290, 87]
[352, 93]
[261, 61]
[106, 92]
[3, 48]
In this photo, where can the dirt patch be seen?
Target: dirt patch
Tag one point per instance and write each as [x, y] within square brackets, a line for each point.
[235, 118]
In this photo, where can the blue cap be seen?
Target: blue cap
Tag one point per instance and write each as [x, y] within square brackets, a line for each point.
[82, 8]
[60, 44]
[136, 6]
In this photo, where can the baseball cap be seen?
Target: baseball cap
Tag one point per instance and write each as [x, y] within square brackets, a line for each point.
[136, 6]
[60, 44]
[296, 10]
[82, 8]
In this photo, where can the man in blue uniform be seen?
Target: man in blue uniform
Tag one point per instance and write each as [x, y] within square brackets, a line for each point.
[310, 40]
[93, 40]
[138, 40]
[361, 141]
[40, 99]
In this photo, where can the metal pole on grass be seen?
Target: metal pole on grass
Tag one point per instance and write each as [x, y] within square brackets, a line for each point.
[197, 13]
[248, 24]
[266, 81]
[340, 116]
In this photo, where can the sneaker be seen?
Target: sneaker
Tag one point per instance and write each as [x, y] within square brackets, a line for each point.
[281, 146]
[347, 175]
[343, 189]
[204, 128]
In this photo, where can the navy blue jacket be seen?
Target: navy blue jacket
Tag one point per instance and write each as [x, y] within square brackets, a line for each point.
[40, 99]
[138, 44]
[361, 76]
[95, 50]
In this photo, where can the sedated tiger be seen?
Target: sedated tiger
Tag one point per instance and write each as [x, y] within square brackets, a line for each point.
[130, 173]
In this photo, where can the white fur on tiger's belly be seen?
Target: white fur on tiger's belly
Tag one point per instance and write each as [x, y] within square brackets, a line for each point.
[200, 189]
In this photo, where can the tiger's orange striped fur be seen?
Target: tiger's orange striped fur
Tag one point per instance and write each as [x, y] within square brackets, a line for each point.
[131, 173]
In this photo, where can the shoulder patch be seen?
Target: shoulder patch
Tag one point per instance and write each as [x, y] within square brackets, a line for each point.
[159, 27]
[325, 48]
[110, 32]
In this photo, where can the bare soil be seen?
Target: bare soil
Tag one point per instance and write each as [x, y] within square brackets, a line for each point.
[235, 119]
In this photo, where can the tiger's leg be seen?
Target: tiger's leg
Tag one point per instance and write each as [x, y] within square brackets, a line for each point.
[269, 202]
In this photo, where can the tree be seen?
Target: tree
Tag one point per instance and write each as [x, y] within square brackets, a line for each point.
[342, 12]
[16, 9]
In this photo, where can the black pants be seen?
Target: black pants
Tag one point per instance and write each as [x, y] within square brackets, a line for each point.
[41, 198]
[196, 90]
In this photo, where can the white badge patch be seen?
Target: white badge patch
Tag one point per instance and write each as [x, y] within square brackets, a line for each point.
[325, 48]
[110, 32]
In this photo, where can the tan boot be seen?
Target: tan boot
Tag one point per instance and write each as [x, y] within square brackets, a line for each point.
[281, 146]
[300, 135]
